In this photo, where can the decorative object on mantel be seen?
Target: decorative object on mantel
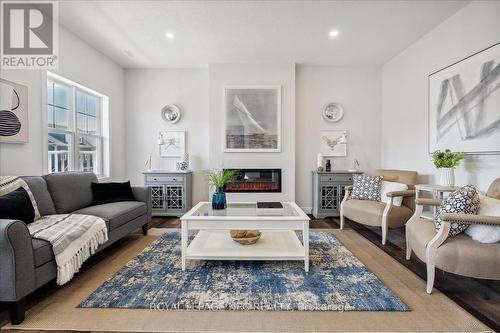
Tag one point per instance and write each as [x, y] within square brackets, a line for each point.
[13, 112]
[333, 112]
[334, 143]
[446, 162]
[252, 117]
[172, 143]
[319, 162]
[354, 165]
[328, 166]
[171, 113]
[464, 100]
[183, 165]
[218, 179]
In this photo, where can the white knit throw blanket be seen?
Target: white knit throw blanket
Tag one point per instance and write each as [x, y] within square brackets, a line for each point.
[74, 239]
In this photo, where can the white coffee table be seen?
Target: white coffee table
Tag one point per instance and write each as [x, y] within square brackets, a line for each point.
[213, 241]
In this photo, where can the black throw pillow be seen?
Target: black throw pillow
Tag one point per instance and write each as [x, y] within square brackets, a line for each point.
[111, 192]
[16, 205]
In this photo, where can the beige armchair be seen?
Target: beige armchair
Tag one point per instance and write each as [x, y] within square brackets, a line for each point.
[459, 254]
[382, 214]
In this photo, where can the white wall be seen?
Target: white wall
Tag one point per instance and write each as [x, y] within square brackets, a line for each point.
[404, 96]
[358, 89]
[250, 74]
[82, 64]
[146, 93]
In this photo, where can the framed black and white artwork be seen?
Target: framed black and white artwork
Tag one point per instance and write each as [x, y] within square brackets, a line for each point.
[13, 112]
[172, 143]
[464, 104]
[252, 119]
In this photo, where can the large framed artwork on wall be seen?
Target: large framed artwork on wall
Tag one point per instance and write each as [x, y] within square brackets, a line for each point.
[252, 118]
[13, 112]
[464, 104]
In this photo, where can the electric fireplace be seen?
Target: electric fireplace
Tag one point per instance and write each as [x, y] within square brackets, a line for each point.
[255, 180]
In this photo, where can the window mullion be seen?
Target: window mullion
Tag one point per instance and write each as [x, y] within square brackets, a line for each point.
[76, 147]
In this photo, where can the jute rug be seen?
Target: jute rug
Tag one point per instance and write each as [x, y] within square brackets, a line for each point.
[428, 312]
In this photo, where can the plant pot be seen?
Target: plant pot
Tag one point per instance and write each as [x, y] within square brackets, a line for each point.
[219, 200]
[447, 177]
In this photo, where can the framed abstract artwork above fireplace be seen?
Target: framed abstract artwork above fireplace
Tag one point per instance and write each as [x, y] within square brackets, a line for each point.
[252, 119]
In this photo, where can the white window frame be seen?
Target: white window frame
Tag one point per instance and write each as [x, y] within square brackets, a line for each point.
[102, 155]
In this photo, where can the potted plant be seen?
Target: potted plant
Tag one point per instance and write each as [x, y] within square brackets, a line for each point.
[446, 161]
[218, 179]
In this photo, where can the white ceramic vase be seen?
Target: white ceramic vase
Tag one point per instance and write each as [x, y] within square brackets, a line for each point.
[447, 177]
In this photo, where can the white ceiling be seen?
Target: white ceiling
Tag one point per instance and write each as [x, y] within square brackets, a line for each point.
[132, 33]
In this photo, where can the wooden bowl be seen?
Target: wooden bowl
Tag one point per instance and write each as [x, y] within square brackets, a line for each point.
[245, 237]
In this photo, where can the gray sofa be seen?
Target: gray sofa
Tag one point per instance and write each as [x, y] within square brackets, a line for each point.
[26, 264]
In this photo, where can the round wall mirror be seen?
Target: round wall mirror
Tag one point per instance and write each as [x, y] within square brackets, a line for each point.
[333, 112]
[171, 113]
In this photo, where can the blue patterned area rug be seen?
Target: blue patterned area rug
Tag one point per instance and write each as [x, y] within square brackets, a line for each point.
[337, 281]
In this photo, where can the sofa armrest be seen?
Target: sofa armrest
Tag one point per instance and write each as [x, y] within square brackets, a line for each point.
[143, 194]
[17, 262]
[471, 219]
[406, 193]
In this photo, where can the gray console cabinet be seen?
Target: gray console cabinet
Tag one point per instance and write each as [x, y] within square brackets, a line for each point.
[329, 190]
[170, 192]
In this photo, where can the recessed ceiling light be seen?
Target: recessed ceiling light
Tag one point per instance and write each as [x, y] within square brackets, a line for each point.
[169, 35]
[333, 33]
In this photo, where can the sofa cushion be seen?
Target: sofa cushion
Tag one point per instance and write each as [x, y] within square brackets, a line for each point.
[38, 187]
[370, 213]
[70, 191]
[17, 205]
[111, 192]
[42, 251]
[116, 214]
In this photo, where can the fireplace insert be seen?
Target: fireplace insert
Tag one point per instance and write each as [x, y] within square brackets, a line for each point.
[255, 180]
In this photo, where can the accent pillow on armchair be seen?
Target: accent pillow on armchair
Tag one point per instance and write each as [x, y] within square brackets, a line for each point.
[463, 201]
[366, 187]
[486, 233]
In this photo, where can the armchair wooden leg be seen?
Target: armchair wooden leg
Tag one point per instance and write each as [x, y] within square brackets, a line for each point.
[384, 234]
[431, 271]
[16, 311]
[342, 220]
[408, 247]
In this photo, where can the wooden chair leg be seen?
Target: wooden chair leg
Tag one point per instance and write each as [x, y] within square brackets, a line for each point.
[16, 311]
[431, 271]
[342, 220]
[408, 247]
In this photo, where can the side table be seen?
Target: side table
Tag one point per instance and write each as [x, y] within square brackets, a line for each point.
[437, 191]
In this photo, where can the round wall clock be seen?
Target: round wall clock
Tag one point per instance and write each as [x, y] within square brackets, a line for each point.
[333, 112]
[171, 113]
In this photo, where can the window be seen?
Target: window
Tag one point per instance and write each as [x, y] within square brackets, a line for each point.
[77, 127]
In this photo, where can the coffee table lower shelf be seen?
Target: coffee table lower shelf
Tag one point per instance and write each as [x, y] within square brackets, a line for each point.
[272, 245]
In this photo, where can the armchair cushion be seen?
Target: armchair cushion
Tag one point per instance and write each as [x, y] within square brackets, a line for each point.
[388, 187]
[366, 187]
[463, 201]
[486, 233]
[370, 213]
[460, 255]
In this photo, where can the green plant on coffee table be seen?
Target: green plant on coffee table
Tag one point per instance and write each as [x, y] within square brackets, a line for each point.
[447, 158]
[220, 178]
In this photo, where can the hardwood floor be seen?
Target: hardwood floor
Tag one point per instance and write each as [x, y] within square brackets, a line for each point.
[481, 298]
